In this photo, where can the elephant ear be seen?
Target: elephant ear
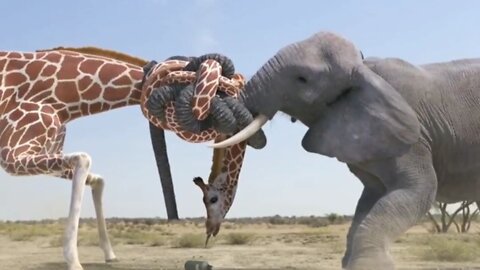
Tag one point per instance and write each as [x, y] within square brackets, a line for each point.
[371, 121]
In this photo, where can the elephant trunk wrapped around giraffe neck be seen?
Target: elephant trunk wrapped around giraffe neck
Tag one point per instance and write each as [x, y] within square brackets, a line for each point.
[198, 97]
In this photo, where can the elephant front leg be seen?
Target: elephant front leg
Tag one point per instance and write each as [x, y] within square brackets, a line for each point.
[365, 203]
[372, 192]
[411, 189]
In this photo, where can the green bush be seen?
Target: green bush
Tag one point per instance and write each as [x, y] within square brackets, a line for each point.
[239, 238]
[450, 250]
[190, 240]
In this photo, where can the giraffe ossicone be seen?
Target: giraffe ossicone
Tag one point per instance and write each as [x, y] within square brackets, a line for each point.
[41, 92]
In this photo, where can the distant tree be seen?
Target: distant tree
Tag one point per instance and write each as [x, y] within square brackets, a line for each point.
[446, 219]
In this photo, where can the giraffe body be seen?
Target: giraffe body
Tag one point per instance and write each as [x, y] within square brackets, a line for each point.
[41, 92]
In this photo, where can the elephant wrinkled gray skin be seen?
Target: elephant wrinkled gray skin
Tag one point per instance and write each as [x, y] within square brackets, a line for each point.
[409, 133]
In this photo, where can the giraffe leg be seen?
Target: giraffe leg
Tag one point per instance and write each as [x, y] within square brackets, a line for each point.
[97, 184]
[81, 166]
[35, 148]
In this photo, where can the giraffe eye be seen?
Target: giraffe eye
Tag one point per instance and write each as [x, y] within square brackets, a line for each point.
[214, 199]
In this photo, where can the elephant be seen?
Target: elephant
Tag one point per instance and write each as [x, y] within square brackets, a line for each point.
[408, 132]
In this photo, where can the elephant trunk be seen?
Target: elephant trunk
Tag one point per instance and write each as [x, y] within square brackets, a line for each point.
[259, 96]
[262, 101]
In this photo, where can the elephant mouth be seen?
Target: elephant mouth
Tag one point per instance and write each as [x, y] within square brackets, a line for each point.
[343, 94]
[261, 119]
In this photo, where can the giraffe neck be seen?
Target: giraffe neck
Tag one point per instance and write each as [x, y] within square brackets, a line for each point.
[228, 180]
[74, 84]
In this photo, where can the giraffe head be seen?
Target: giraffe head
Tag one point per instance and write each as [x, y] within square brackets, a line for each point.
[217, 197]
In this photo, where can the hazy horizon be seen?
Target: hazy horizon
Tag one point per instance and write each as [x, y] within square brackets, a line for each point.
[280, 179]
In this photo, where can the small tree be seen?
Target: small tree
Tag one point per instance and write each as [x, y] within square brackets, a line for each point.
[468, 215]
[446, 219]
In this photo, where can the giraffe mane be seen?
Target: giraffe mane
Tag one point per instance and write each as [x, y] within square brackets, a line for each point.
[102, 52]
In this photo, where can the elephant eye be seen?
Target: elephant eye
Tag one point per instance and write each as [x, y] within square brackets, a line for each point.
[214, 199]
[301, 79]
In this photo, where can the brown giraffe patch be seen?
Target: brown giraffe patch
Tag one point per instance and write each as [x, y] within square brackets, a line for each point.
[41, 97]
[9, 167]
[93, 92]
[106, 71]
[20, 150]
[84, 83]
[15, 137]
[3, 62]
[35, 149]
[90, 66]
[70, 53]
[23, 90]
[95, 107]
[119, 105]
[28, 56]
[69, 69]
[115, 94]
[33, 69]
[4, 153]
[14, 78]
[46, 120]
[14, 55]
[32, 131]
[16, 64]
[76, 114]
[62, 112]
[105, 107]
[84, 108]
[212, 76]
[65, 92]
[29, 106]
[49, 71]
[28, 118]
[42, 85]
[53, 57]
[124, 80]
[15, 115]
[51, 132]
[11, 102]
[6, 135]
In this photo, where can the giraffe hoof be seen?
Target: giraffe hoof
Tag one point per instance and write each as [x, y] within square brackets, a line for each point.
[114, 260]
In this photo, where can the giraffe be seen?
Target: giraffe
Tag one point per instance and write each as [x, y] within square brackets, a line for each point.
[40, 92]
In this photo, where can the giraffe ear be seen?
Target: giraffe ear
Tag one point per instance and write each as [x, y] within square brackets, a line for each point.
[199, 182]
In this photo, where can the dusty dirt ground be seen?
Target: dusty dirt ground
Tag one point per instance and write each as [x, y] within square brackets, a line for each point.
[239, 246]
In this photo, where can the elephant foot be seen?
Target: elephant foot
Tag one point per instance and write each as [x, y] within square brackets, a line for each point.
[371, 261]
[114, 260]
[75, 266]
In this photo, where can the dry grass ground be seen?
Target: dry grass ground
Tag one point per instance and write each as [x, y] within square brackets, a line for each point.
[271, 243]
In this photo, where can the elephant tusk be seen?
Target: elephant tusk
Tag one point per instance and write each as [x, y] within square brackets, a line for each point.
[243, 134]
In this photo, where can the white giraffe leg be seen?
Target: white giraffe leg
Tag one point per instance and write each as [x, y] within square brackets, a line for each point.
[97, 184]
[80, 163]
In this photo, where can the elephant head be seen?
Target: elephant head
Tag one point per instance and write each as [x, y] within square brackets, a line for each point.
[352, 113]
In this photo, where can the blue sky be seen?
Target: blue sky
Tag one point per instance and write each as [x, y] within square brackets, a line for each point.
[280, 179]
